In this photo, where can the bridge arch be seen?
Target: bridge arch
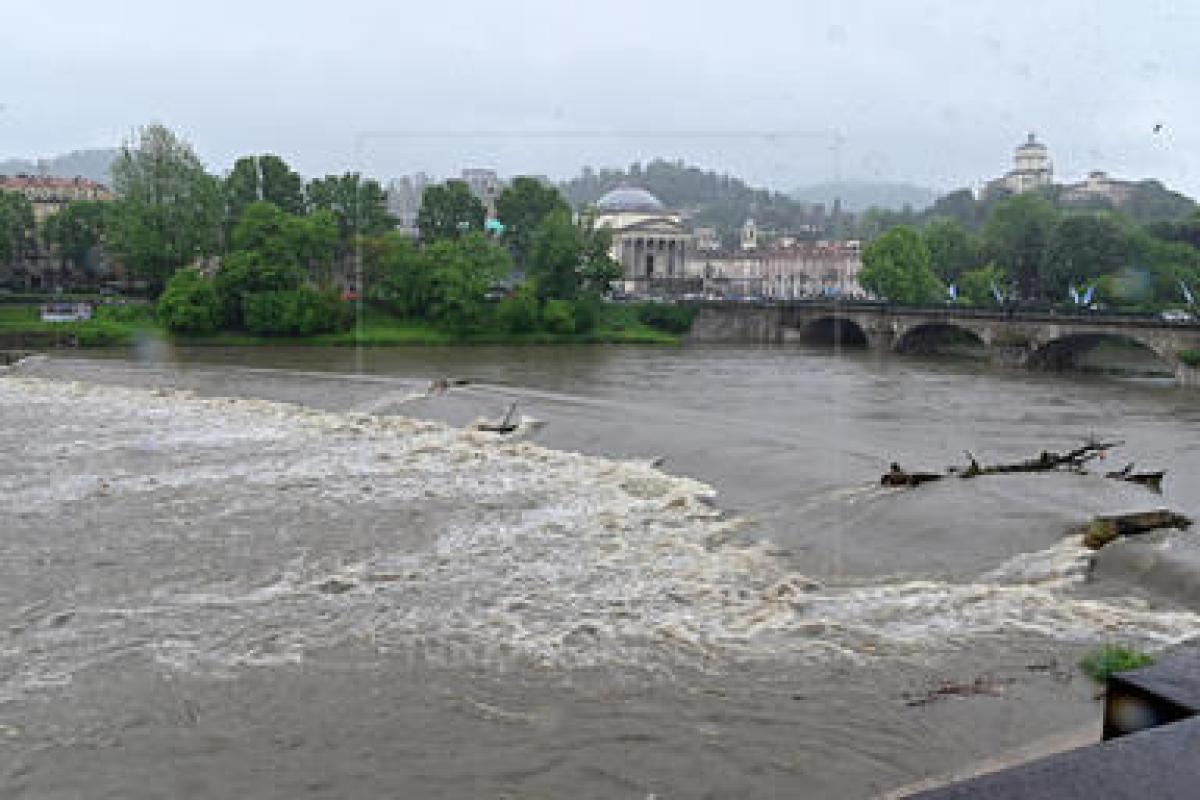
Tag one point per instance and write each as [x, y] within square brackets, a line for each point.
[1071, 350]
[834, 331]
[940, 337]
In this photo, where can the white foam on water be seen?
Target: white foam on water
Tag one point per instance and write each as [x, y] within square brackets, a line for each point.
[523, 556]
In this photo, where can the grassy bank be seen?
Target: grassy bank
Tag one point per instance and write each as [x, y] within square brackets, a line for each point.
[115, 326]
[112, 326]
[377, 329]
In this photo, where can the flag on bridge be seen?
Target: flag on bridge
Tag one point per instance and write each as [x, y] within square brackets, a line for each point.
[952, 290]
[1073, 293]
[1087, 297]
[1187, 294]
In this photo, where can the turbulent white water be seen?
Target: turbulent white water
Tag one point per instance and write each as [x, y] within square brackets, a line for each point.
[275, 529]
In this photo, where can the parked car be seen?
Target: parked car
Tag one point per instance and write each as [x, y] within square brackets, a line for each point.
[1175, 315]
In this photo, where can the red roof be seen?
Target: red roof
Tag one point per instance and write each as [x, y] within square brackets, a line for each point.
[48, 182]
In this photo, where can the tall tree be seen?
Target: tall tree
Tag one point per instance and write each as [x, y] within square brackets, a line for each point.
[168, 209]
[16, 226]
[952, 249]
[568, 259]
[521, 207]
[77, 229]
[448, 211]
[397, 274]
[1017, 237]
[359, 206]
[896, 267]
[460, 274]
[263, 178]
[1083, 247]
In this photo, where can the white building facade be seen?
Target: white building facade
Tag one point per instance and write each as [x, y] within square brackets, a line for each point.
[649, 241]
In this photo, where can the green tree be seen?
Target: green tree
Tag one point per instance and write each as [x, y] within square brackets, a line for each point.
[461, 273]
[248, 272]
[518, 313]
[1017, 238]
[522, 207]
[570, 259]
[297, 312]
[359, 206]
[1083, 247]
[977, 287]
[265, 178]
[449, 211]
[598, 269]
[558, 316]
[189, 304]
[167, 211]
[16, 226]
[288, 240]
[896, 267]
[556, 257]
[76, 230]
[952, 249]
[398, 275]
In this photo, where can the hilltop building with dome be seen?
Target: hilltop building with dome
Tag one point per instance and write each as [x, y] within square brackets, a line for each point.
[1031, 170]
[649, 240]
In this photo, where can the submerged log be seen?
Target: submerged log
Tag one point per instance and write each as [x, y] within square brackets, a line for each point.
[1103, 529]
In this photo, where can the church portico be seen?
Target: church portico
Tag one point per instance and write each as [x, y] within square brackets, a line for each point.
[649, 241]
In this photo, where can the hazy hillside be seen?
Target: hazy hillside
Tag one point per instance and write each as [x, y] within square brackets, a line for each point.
[91, 164]
[706, 197]
[861, 195]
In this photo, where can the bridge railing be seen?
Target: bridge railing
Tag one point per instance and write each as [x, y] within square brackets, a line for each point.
[1044, 314]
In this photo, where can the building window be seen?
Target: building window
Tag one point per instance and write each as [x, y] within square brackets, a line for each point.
[649, 266]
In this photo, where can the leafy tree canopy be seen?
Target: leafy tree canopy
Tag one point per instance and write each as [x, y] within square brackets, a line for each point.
[896, 266]
[168, 209]
[359, 206]
[449, 211]
[521, 207]
[77, 229]
[265, 178]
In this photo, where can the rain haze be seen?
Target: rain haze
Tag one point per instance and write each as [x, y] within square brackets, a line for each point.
[779, 93]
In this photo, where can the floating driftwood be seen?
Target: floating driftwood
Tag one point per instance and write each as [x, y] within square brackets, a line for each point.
[1151, 480]
[896, 476]
[1103, 529]
[505, 426]
[1046, 461]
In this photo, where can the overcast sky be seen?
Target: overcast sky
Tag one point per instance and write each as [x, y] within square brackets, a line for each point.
[783, 92]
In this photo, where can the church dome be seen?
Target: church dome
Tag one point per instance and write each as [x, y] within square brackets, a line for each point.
[629, 198]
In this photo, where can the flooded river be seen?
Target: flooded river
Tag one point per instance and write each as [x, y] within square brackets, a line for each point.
[293, 572]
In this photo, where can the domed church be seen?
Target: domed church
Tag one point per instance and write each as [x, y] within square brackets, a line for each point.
[649, 240]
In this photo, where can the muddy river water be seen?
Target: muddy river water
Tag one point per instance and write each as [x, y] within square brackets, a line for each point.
[293, 573]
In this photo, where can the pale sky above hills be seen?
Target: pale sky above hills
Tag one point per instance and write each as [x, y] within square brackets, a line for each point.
[780, 92]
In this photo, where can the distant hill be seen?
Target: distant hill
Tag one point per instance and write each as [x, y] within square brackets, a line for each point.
[704, 196]
[91, 164]
[861, 195]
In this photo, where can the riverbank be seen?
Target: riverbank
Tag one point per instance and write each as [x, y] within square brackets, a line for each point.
[119, 326]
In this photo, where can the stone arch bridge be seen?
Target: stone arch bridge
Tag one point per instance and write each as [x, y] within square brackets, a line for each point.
[1035, 339]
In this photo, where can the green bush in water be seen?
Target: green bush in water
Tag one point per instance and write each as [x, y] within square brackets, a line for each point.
[1104, 661]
